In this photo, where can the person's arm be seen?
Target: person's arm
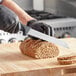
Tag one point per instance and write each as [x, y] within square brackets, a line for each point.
[23, 16]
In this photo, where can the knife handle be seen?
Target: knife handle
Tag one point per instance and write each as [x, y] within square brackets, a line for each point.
[50, 31]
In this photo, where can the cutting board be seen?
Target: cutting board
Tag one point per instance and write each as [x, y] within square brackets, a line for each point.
[14, 63]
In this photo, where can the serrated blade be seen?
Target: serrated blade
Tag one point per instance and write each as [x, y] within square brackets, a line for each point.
[45, 37]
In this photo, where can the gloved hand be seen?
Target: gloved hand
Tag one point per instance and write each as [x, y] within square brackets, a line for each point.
[8, 20]
[40, 26]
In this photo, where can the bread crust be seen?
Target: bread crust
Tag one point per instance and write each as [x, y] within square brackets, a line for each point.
[39, 49]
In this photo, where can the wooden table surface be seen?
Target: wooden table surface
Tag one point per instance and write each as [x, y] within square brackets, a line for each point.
[14, 63]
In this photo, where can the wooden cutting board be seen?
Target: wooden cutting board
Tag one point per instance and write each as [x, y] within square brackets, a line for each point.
[14, 63]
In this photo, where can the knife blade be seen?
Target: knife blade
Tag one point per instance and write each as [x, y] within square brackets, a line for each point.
[42, 36]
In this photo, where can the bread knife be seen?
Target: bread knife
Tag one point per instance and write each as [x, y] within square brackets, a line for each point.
[42, 36]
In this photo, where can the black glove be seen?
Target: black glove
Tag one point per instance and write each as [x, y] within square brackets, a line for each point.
[40, 26]
[8, 20]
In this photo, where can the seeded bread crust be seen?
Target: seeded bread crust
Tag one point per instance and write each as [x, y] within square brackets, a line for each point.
[39, 49]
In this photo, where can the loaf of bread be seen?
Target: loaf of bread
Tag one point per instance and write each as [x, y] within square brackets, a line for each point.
[39, 49]
[67, 59]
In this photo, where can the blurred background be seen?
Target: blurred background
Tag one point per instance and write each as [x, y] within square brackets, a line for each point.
[59, 7]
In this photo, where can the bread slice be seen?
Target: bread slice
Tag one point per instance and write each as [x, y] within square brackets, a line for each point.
[67, 59]
[39, 49]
